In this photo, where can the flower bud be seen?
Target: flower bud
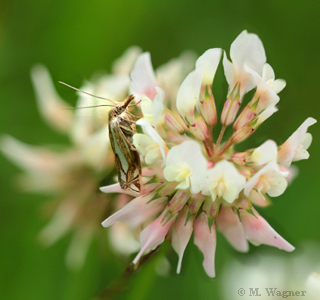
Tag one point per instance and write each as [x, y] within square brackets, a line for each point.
[208, 109]
[243, 133]
[246, 115]
[194, 204]
[240, 158]
[199, 129]
[173, 122]
[177, 202]
[231, 107]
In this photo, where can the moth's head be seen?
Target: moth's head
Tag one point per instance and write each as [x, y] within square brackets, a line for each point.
[120, 109]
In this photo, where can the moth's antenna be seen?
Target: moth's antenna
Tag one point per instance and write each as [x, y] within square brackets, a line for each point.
[135, 104]
[72, 87]
[87, 106]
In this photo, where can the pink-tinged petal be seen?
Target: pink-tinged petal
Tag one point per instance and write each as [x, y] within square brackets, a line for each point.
[205, 240]
[229, 224]
[51, 106]
[153, 235]
[136, 211]
[115, 188]
[188, 94]
[181, 233]
[143, 79]
[258, 231]
[210, 60]
[288, 149]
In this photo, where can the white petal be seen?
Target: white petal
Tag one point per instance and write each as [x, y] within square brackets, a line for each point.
[78, 248]
[270, 170]
[229, 71]
[115, 188]
[226, 173]
[268, 73]
[158, 106]
[153, 156]
[210, 60]
[143, 80]
[278, 85]
[95, 149]
[188, 155]
[51, 106]
[306, 140]
[266, 114]
[278, 186]
[30, 158]
[267, 96]
[124, 64]
[188, 94]
[153, 134]
[146, 106]
[248, 49]
[265, 153]
[289, 148]
[313, 286]
[141, 142]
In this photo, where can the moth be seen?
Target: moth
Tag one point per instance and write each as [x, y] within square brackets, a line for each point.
[122, 127]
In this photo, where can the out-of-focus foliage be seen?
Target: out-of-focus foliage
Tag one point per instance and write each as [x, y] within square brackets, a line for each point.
[78, 39]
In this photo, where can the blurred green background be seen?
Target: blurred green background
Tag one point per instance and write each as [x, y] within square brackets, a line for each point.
[74, 39]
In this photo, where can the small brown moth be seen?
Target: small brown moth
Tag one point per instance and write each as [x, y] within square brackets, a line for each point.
[122, 127]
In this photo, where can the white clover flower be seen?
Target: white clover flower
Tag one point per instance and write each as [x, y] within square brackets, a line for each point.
[268, 179]
[195, 182]
[186, 164]
[295, 147]
[224, 181]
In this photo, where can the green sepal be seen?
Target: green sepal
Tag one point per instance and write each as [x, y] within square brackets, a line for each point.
[210, 222]
[156, 196]
[189, 214]
[250, 211]
[152, 180]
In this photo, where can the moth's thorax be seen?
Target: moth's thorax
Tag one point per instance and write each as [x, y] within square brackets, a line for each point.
[114, 117]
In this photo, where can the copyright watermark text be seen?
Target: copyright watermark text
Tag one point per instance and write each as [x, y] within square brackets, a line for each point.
[272, 292]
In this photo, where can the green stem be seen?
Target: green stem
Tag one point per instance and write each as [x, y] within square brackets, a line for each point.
[120, 284]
